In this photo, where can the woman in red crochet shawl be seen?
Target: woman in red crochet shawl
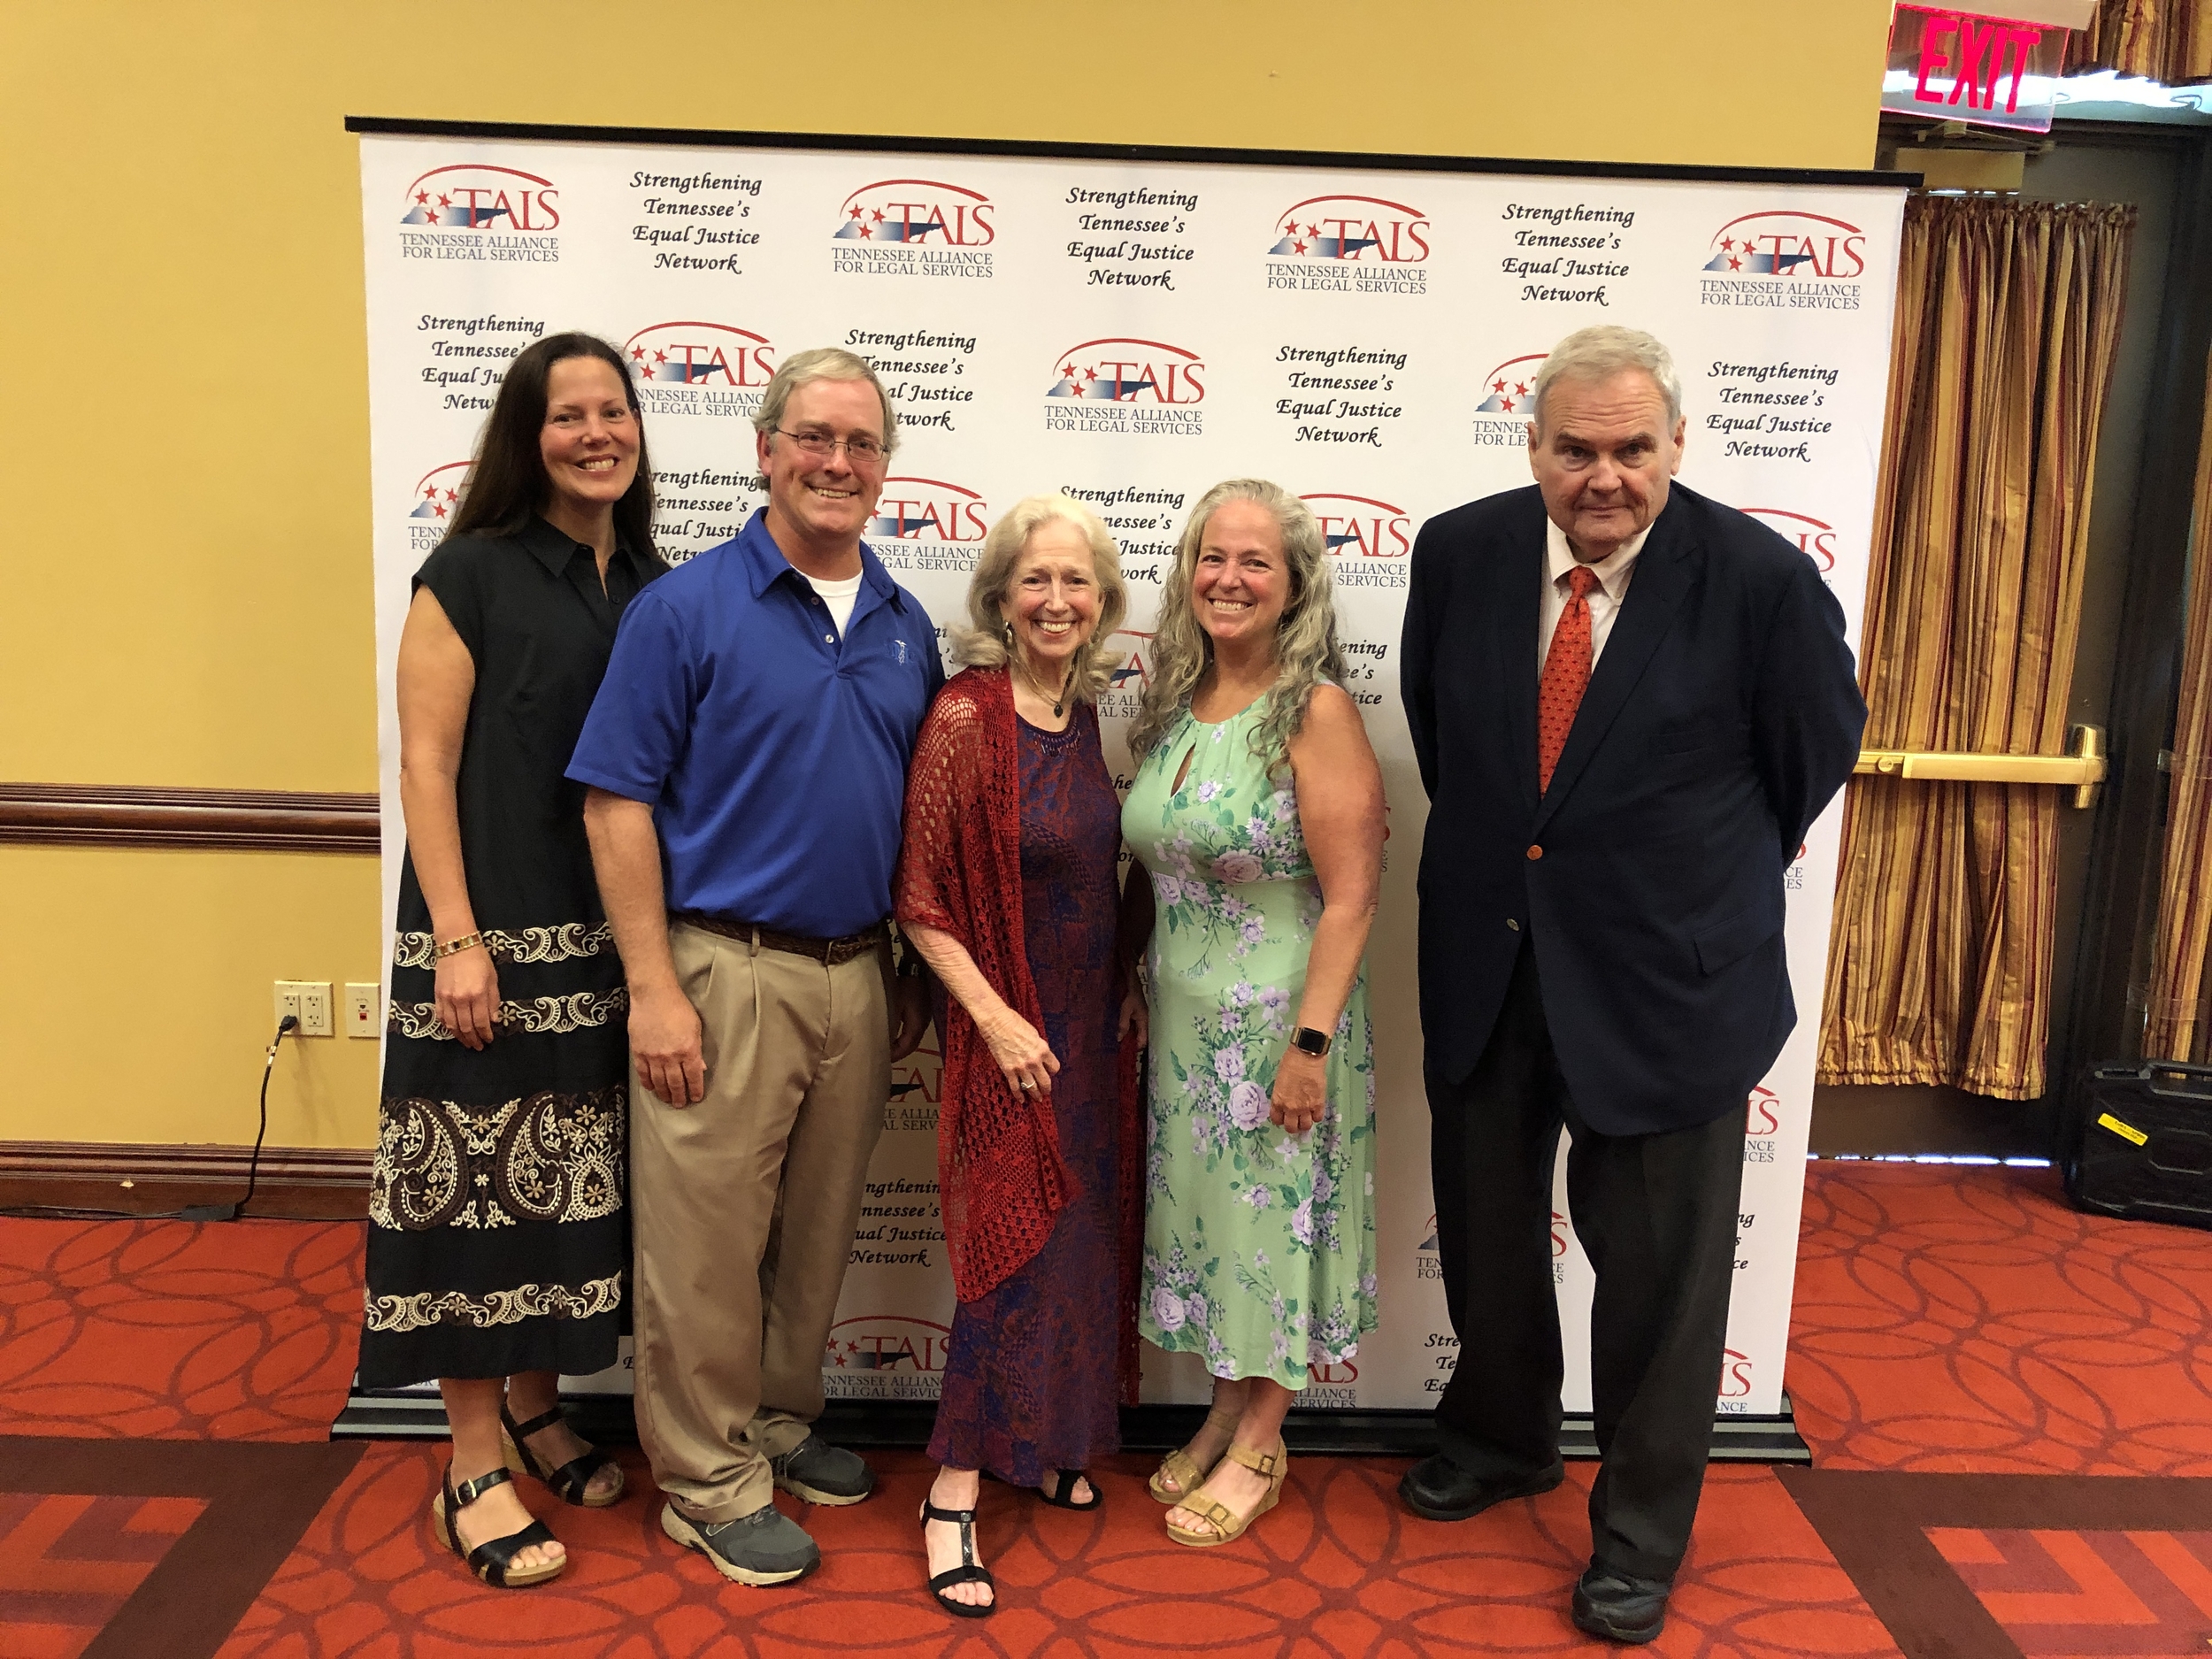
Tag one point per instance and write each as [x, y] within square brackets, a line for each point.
[1007, 886]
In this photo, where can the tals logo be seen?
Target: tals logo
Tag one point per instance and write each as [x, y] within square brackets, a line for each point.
[885, 1357]
[1361, 526]
[1349, 244]
[1813, 536]
[1359, 529]
[700, 353]
[915, 210]
[1763, 1113]
[915, 228]
[695, 368]
[1364, 227]
[437, 497]
[505, 215]
[1124, 370]
[1757, 251]
[1735, 1375]
[1145, 387]
[1129, 669]
[1507, 397]
[1330, 1382]
[924, 524]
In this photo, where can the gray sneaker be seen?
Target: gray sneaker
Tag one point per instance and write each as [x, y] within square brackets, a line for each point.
[764, 1547]
[822, 1473]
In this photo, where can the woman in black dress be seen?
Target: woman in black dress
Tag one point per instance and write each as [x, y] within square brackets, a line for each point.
[497, 1241]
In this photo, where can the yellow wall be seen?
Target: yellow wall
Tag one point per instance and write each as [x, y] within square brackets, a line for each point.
[187, 598]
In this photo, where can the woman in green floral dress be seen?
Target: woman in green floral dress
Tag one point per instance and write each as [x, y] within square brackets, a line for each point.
[1258, 811]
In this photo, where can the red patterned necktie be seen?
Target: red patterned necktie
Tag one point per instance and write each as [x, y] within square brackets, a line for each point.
[1566, 674]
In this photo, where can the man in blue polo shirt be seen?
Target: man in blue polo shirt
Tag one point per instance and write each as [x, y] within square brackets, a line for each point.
[756, 723]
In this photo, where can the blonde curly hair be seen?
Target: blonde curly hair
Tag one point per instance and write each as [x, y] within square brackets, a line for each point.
[1306, 648]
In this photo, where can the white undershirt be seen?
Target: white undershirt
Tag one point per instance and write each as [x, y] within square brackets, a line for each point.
[1613, 571]
[838, 598]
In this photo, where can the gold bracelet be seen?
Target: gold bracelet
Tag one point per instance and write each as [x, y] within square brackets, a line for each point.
[455, 947]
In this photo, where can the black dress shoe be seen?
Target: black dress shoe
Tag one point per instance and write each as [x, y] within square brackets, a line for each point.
[1438, 1489]
[1618, 1606]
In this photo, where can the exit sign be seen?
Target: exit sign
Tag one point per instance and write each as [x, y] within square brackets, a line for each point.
[1963, 67]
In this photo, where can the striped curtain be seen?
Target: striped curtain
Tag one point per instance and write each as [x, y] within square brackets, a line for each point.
[2166, 41]
[2178, 1026]
[1939, 958]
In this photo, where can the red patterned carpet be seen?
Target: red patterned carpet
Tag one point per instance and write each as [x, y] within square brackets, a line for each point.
[1951, 1323]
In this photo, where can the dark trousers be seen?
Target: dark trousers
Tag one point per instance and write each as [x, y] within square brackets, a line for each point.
[1656, 1214]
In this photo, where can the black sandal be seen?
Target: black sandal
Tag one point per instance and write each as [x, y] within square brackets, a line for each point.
[571, 1482]
[967, 1572]
[489, 1561]
[1062, 1483]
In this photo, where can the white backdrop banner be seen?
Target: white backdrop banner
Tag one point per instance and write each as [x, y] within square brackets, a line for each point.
[1132, 331]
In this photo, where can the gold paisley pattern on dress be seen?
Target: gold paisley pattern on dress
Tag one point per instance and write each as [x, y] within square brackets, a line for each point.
[428, 1307]
[540, 1014]
[544, 1158]
[559, 942]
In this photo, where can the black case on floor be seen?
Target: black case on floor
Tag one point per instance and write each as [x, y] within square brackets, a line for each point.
[2143, 1147]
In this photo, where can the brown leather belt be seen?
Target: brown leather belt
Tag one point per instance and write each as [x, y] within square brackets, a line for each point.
[828, 951]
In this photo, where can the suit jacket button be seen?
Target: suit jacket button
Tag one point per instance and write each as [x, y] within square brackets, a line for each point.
[1513, 924]
[1536, 852]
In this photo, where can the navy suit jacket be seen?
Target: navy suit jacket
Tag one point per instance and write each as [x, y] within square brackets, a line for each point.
[1722, 715]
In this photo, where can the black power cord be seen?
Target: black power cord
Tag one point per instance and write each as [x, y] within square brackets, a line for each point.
[190, 1212]
[233, 1212]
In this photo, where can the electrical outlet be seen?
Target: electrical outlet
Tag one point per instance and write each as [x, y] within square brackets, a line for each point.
[307, 1000]
[363, 1005]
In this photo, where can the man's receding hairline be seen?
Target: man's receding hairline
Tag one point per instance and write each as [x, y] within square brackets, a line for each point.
[1658, 392]
[838, 380]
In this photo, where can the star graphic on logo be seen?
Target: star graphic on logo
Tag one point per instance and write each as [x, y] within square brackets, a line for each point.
[877, 216]
[1313, 230]
[1506, 404]
[445, 201]
[660, 357]
[430, 494]
[1727, 246]
[430, 216]
[852, 1347]
[637, 354]
[438, 511]
[840, 1359]
[857, 213]
[867, 230]
[1520, 388]
[1497, 386]
[1297, 247]
[422, 198]
[1735, 265]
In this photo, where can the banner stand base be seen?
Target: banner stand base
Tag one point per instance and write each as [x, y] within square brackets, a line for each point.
[606, 1419]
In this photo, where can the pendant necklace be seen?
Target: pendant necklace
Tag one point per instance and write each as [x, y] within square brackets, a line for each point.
[1059, 700]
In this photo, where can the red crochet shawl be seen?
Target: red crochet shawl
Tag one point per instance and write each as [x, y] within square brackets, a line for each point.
[1001, 1179]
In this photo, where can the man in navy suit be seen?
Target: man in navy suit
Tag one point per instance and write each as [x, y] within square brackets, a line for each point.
[1628, 702]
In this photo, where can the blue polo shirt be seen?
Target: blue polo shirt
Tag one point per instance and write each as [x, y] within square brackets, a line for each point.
[772, 752]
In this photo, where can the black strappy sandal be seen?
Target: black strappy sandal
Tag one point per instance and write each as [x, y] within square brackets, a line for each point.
[1062, 1483]
[571, 1483]
[969, 1572]
[489, 1561]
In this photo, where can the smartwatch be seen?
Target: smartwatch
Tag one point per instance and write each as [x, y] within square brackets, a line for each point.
[1306, 1039]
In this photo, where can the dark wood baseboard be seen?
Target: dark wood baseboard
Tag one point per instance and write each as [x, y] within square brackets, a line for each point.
[329, 1182]
[126, 815]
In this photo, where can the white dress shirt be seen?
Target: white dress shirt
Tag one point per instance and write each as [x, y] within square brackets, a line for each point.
[1613, 571]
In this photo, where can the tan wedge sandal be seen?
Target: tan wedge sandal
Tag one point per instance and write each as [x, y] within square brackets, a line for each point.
[1182, 1469]
[1227, 1524]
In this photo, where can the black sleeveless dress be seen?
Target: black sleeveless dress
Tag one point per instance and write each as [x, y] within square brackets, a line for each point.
[498, 1240]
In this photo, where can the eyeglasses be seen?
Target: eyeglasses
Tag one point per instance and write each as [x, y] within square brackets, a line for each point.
[819, 446]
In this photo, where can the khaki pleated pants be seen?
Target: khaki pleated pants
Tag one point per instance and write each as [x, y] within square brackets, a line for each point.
[742, 1210]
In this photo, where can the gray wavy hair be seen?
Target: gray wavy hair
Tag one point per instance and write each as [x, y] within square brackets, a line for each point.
[1602, 351]
[984, 641]
[1306, 648]
[823, 363]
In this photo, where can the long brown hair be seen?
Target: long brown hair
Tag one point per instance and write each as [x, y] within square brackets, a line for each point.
[507, 485]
